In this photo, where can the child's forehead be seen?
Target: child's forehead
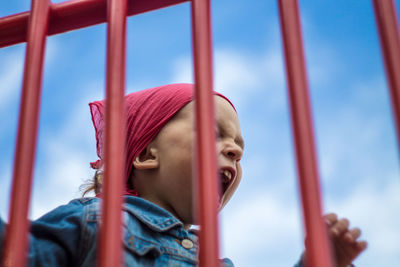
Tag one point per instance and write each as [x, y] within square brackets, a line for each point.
[226, 117]
[221, 104]
[224, 104]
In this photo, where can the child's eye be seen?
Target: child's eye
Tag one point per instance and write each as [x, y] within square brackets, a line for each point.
[218, 133]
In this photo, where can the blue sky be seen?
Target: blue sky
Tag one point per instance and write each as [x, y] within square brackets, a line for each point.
[261, 226]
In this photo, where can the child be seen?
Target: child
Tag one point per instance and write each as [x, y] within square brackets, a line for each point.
[158, 203]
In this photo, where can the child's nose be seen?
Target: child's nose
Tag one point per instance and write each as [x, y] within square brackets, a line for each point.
[232, 151]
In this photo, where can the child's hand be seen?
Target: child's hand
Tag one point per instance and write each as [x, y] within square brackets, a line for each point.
[345, 243]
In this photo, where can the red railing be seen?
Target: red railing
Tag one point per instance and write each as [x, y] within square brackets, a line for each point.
[47, 19]
[206, 161]
[317, 246]
[111, 229]
[386, 21]
[72, 15]
[16, 239]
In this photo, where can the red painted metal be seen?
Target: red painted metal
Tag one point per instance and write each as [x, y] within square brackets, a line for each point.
[386, 20]
[72, 15]
[16, 239]
[317, 245]
[206, 162]
[110, 250]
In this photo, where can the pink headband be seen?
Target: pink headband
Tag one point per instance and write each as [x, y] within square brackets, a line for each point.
[147, 112]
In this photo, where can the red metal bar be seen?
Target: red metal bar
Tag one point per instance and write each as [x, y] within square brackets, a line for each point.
[317, 245]
[110, 251]
[72, 15]
[206, 161]
[16, 239]
[386, 20]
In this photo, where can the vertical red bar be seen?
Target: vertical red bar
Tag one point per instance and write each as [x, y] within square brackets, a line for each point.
[110, 251]
[386, 20]
[15, 249]
[317, 246]
[206, 161]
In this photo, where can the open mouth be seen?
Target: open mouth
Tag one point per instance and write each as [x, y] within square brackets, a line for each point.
[227, 177]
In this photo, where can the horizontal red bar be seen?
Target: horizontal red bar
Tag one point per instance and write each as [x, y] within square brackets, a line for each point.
[72, 15]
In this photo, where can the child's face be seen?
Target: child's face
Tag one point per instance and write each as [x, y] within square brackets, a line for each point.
[172, 189]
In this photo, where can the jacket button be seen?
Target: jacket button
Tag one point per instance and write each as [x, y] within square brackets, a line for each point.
[187, 243]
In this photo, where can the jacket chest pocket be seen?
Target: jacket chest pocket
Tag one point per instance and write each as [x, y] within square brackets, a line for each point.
[147, 252]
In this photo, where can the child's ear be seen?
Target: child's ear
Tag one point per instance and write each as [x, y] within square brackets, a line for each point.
[148, 159]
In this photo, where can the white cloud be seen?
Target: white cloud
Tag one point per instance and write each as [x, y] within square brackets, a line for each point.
[11, 70]
[67, 153]
[263, 225]
[376, 211]
[240, 75]
[182, 70]
[356, 138]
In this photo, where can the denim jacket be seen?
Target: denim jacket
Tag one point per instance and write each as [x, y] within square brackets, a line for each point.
[66, 236]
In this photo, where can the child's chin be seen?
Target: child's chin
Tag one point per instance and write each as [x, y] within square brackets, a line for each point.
[221, 203]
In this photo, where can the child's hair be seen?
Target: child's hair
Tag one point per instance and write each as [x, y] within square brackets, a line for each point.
[147, 112]
[93, 184]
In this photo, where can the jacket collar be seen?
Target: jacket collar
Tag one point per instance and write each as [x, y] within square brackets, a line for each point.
[155, 217]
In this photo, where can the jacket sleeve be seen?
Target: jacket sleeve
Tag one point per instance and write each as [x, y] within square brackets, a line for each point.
[55, 238]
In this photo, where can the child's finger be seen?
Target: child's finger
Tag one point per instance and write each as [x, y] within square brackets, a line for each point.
[340, 227]
[362, 245]
[330, 218]
[352, 235]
